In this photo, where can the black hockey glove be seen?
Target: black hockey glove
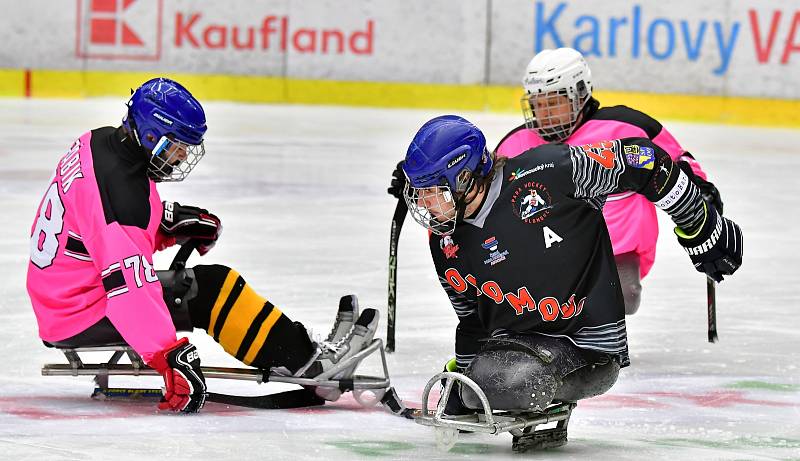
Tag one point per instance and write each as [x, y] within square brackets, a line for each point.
[191, 223]
[398, 182]
[708, 190]
[184, 383]
[716, 249]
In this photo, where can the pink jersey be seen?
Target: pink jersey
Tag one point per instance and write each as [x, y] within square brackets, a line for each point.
[92, 246]
[630, 217]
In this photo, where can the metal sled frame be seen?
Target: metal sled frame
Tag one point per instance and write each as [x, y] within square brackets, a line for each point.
[112, 367]
[521, 424]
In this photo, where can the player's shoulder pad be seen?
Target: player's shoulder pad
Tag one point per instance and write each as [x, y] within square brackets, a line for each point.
[552, 160]
[631, 116]
[509, 134]
[552, 152]
[103, 131]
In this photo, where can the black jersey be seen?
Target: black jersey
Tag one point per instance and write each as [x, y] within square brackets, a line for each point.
[537, 257]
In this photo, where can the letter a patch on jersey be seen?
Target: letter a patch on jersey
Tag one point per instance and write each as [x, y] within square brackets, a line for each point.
[550, 237]
[601, 152]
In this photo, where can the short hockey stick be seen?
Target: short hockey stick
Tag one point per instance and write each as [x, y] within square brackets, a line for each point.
[394, 238]
[179, 261]
[712, 309]
[299, 398]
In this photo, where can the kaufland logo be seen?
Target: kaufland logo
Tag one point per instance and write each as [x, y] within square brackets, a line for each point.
[198, 31]
[119, 29]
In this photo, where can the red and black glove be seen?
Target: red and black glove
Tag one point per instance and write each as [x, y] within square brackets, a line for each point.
[185, 386]
[186, 223]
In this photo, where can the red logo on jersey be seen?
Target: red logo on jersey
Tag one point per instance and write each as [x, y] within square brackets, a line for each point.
[601, 152]
[449, 248]
[548, 307]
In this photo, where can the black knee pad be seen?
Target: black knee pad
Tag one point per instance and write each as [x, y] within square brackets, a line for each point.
[522, 372]
[178, 287]
[590, 380]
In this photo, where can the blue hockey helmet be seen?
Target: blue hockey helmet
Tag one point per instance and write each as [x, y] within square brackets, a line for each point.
[446, 156]
[169, 123]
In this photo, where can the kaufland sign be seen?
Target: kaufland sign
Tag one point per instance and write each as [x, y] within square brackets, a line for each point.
[743, 48]
[271, 32]
[132, 29]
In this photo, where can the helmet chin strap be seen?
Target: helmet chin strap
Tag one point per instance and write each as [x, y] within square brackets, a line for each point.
[462, 203]
[135, 130]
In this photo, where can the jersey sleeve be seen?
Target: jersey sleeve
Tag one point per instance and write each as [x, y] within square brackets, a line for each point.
[465, 303]
[517, 141]
[470, 329]
[124, 257]
[647, 127]
[639, 165]
[666, 141]
[468, 332]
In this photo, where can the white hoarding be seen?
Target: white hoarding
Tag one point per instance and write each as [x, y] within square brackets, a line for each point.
[743, 48]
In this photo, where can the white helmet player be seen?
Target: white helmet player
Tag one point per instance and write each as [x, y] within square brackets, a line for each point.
[558, 84]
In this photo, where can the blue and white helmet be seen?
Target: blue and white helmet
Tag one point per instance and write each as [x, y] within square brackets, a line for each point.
[169, 123]
[446, 156]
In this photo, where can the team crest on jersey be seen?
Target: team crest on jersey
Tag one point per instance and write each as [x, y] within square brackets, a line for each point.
[640, 156]
[449, 248]
[495, 255]
[532, 202]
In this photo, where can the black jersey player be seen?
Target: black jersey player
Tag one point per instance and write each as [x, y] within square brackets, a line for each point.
[522, 250]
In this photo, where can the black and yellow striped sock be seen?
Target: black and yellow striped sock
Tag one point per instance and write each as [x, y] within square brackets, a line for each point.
[246, 325]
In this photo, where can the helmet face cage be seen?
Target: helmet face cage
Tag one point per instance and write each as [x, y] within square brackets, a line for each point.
[434, 208]
[172, 160]
[554, 114]
[437, 208]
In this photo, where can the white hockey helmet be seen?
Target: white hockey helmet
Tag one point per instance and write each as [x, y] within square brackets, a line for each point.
[558, 84]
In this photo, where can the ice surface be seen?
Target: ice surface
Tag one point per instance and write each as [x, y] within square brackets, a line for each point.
[301, 192]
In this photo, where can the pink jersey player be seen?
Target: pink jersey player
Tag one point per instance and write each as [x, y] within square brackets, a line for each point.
[86, 233]
[91, 278]
[559, 107]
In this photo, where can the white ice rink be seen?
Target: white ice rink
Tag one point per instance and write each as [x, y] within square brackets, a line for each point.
[301, 193]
